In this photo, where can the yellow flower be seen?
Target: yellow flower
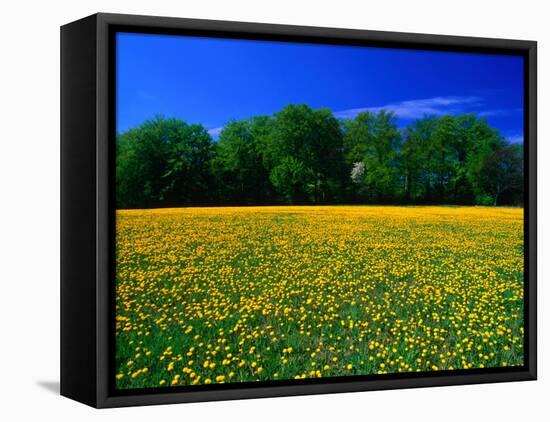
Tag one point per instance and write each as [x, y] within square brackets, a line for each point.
[247, 281]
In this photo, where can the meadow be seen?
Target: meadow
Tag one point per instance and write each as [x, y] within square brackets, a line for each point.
[218, 295]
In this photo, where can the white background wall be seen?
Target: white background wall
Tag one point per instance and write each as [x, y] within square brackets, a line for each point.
[29, 195]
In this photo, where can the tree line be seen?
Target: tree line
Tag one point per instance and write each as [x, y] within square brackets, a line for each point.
[301, 155]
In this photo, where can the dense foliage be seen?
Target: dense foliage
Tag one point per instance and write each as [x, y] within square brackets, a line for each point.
[302, 155]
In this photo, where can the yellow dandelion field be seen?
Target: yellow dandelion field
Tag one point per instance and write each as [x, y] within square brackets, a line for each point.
[220, 295]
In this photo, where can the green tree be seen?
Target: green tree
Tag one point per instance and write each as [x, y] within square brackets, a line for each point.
[309, 140]
[502, 172]
[416, 157]
[162, 162]
[374, 140]
[483, 142]
[305, 155]
[239, 164]
[290, 177]
[441, 158]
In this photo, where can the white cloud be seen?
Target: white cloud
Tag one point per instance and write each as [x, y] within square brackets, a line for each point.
[499, 112]
[413, 109]
[215, 131]
[515, 138]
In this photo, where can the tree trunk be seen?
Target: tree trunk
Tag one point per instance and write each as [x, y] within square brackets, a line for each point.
[496, 194]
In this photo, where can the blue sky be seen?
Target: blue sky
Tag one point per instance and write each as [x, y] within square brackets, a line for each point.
[211, 81]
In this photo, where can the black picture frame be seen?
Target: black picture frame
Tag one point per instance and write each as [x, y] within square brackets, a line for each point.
[87, 211]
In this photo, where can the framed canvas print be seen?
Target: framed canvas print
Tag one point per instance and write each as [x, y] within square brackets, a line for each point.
[253, 210]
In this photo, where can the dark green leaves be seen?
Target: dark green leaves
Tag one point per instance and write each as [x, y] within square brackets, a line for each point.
[302, 155]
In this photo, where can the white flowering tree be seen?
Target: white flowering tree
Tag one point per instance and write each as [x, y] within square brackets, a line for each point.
[358, 172]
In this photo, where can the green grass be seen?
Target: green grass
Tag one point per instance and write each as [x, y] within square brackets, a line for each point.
[350, 290]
